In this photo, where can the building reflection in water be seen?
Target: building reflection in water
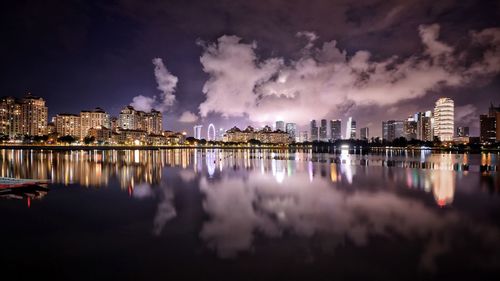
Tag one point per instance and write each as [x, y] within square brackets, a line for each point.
[433, 173]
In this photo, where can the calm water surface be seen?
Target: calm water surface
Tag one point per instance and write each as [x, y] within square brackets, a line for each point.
[251, 215]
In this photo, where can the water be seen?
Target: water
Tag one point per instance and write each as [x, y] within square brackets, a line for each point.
[247, 215]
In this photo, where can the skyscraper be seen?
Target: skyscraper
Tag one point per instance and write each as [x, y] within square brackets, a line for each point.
[323, 130]
[392, 129]
[129, 118]
[350, 129]
[10, 116]
[364, 133]
[68, 125]
[34, 116]
[280, 125]
[424, 126]
[410, 127]
[291, 130]
[197, 131]
[93, 119]
[489, 125]
[444, 119]
[335, 129]
[314, 131]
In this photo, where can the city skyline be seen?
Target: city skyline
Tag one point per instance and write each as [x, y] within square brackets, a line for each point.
[126, 54]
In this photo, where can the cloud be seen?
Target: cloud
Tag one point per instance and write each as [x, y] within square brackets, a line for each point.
[429, 35]
[167, 83]
[466, 115]
[188, 117]
[324, 80]
[143, 103]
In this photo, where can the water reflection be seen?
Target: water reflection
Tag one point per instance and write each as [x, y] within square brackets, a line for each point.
[273, 193]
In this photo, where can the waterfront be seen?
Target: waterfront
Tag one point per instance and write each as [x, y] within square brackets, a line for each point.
[252, 214]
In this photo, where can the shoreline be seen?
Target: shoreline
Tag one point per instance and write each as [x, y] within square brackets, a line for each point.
[167, 147]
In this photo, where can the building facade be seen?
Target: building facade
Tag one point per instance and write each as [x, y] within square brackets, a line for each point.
[364, 133]
[314, 131]
[291, 130]
[323, 130]
[335, 129]
[96, 118]
[34, 116]
[444, 119]
[68, 125]
[10, 117]
[265, 135]
[350, 129]
[392, 129]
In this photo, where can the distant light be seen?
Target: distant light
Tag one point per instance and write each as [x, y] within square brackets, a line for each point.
[344, 146]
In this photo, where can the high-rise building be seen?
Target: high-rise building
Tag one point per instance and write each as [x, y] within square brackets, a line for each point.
[68, 125]
[153, 122]
[392, 129]
[489, 125]
[364, 133]
[10, 117]
[129, 118]
[291, 130]
[96, 118]
[280, 125]
[335, 129]
[314, 131]
[323, 130]
[462, 131]
[410, 127]
[444, 118]
[197, 131]
[350, 129]
[34, 116]
[220, 134]
[424, 126]
[303, 136]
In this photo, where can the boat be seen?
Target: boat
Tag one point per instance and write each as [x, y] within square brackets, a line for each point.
[7, 183]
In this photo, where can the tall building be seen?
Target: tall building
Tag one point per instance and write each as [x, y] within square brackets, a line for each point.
[444, 119]
[462, 131]
[364, 133]
[280, 125]
[424, 126]
[68, 124]
[197, 131]
[34, 116]
[489, 125]
[350, 129]
[303, 136]
[336, 129]
[314, 131]
[96, 118]
[220, 134]
[291, 130]
[410, 127]
[153, 122]
[10, 117]
[392, 129]
[129, 118]
[323, 129]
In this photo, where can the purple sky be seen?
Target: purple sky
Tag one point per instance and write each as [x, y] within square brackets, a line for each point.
[253, 62]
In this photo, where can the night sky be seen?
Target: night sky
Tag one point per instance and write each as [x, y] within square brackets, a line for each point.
[253, 62]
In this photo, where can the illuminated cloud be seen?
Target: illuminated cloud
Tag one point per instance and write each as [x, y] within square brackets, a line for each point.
[324, 80]
[188, 117]
[167, 83]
